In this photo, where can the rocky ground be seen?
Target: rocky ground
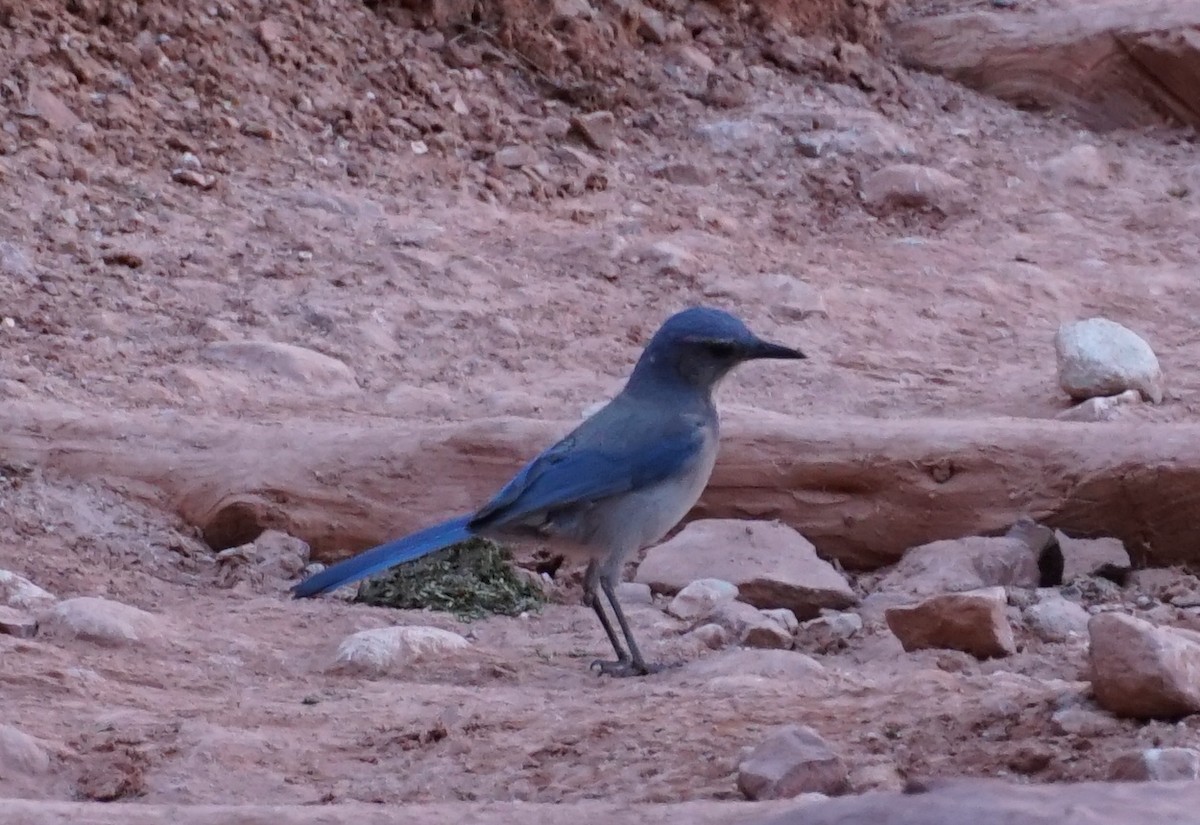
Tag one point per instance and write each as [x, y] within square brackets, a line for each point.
[317, 215]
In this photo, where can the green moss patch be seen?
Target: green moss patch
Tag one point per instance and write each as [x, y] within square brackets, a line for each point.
[472, 579]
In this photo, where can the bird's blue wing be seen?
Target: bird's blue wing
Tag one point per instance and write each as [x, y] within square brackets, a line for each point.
[575, 471]
[380, 558]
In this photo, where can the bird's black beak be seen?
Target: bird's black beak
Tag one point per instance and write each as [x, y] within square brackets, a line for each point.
[765, 349]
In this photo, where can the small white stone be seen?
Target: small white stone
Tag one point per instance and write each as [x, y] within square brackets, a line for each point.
[1081, 165]
[21, 753]
[381, 649]
[1099, 357]
[102, 621]
[1055, 618]
[700, 597]
[20, 592]
[1105, 408]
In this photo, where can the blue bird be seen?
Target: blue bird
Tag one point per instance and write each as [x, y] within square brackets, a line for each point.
[616, 484]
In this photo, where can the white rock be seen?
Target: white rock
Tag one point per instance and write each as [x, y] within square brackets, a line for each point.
[1081, 165]
[21, 753]
[1079, 721]
[664, 257]
[313, 369]
[1099, 357]
[910, 186]
[15, 265]
[747, 663]
[102, 621]
[381, 649]
[882, 776]
[698, 599]
[792, 299]
[20, 592]
[1105, 408]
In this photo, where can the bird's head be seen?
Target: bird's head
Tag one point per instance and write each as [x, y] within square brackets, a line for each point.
[699, 346]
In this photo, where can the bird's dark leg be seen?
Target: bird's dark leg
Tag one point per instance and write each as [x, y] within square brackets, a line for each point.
[591, 597]
[635, 665]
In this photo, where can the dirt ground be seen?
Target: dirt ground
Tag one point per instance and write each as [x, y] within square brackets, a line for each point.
[408, 201]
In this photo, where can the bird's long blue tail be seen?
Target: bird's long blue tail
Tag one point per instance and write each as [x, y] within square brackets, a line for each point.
[380, 558]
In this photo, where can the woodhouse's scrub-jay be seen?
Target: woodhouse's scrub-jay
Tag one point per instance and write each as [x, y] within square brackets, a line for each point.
[614, 485]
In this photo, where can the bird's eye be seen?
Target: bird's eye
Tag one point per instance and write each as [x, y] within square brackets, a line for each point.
[720, 349]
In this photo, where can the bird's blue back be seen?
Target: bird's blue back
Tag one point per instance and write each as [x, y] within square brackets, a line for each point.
[631, 443]
[661, 427]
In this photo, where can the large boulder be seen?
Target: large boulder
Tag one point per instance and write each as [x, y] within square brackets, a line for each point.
[770, 563]
[1141, 670]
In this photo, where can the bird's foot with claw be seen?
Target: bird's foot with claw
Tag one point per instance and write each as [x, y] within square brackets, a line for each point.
[623, 668]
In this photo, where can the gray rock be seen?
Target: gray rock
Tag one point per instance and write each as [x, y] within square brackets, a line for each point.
[1099, 357]
[770, 563]
[1084, 557]
[1054, 618]
[791, 761]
